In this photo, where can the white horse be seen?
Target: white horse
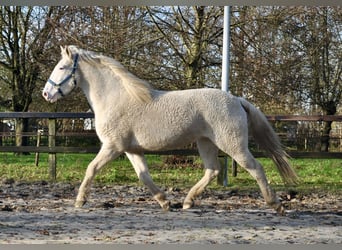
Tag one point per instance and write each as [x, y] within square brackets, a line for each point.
[131, 117]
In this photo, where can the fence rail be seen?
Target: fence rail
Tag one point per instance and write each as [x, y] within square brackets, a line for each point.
[52, 149]
[46, 115]
[181, 152]
[55, 115]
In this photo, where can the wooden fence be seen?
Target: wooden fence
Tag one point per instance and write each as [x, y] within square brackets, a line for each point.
[52, 149]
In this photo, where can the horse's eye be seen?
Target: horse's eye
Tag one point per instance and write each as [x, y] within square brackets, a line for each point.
[61, 68]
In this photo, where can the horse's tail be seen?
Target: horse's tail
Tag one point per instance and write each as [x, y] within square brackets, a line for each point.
[268, 140]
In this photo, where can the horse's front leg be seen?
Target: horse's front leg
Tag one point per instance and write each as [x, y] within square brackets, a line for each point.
[104, 156]
[140, 166]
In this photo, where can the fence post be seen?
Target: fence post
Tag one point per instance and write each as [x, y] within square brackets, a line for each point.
[52, 144]
[234, 168]
[36, 160]
[222, 178]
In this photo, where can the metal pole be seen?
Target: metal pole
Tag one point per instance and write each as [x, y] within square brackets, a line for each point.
[226, 50]
[225, 73]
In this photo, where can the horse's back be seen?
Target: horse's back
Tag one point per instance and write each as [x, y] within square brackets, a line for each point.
[185, 116]
[213, 105]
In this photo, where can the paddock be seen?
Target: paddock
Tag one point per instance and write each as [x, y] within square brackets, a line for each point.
[43, 212]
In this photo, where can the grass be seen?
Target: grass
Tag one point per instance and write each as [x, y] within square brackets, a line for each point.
[315, 174]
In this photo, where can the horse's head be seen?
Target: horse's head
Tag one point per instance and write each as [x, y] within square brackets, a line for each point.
[63, 78]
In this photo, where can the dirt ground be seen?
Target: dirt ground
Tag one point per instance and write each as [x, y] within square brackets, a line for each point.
[43, 213]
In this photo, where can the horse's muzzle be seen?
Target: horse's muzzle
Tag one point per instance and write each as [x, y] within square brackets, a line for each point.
[48, 97]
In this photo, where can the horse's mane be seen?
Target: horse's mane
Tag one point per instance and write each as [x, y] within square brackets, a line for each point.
[137, 88]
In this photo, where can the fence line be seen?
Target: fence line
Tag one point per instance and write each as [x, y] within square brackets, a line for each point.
[52, 149]
[46, 115]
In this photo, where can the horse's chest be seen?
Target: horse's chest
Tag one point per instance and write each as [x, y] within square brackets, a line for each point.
[112, 131]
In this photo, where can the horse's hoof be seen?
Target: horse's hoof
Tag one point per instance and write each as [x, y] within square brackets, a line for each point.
[280, 210]
[165, 205]
[188, 204]
[79, 204]
[163, 202]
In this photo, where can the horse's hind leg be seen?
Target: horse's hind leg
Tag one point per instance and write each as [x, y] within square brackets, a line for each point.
[246, 160]
[208, 152]
[104, 156]
[140, 166]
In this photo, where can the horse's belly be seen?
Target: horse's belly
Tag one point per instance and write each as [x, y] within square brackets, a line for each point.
[162, 140]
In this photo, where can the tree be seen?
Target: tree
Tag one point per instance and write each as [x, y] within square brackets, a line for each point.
[192, 35]
[321, 38]
[289, 59]
[25, 32]
[265, 67]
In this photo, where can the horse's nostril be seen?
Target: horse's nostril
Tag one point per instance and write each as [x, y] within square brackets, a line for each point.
[45, 94]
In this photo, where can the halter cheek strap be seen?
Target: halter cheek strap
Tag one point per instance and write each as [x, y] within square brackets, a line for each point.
[65, 80]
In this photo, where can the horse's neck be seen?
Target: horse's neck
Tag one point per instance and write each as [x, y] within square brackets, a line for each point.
[100, 90]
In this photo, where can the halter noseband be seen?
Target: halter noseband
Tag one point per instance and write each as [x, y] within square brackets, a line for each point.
[70, 76]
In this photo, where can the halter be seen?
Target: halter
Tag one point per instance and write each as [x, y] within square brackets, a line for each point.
[70, 76]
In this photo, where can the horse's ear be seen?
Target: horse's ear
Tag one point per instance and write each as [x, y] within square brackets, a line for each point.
[65, 51]
[68, 52]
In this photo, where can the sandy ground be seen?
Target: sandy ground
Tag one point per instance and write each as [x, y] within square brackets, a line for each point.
[44, 213]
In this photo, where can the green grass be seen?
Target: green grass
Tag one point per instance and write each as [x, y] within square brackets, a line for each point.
[315, 174]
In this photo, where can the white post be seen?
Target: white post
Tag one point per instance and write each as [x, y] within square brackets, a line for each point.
[225, 74]
[226, 50]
